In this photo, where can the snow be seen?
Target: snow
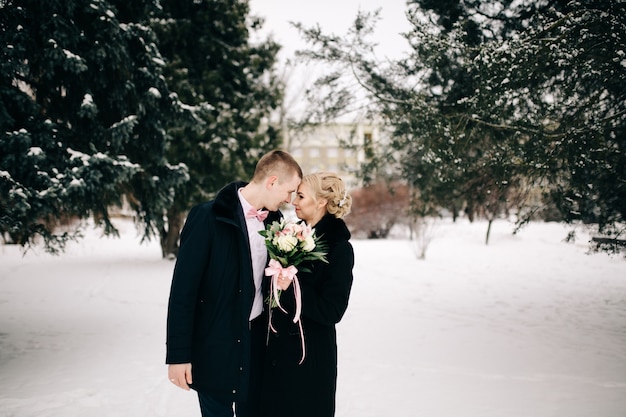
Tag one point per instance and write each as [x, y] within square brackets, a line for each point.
[19, 193]
[87, 100]
[77, 155]
[70, 55]
[154, 92]
[128, 120]
[35, 151]
[76, 182]
[160, 63]
[528, 326]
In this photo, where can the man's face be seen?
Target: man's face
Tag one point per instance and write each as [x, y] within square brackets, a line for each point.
[282, 192]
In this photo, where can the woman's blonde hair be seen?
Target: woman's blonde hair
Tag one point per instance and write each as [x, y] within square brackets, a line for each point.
[330, 187]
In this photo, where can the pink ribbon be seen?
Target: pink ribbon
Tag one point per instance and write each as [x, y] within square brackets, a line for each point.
[276, 270]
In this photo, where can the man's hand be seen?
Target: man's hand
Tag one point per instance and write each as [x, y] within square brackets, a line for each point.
[180, 375]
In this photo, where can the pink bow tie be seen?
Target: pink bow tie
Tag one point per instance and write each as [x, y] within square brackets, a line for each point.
[259, 214]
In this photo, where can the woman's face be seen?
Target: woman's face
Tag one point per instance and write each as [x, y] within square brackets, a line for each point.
[307, 208]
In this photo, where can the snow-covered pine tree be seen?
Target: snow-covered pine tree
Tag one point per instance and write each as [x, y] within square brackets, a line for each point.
[496, 100]
[215, 65]
[83, 108]
[551, 85]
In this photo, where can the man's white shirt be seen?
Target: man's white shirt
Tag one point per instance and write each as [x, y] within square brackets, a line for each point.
[258, 254]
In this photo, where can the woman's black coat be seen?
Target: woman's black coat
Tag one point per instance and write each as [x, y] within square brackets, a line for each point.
[290, 389]
[211, 298]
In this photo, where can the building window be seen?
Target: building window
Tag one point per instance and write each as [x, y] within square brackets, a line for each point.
[368, 145]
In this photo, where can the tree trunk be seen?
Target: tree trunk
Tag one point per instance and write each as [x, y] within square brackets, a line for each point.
[171, 234]
[488, 231]
[469, 210]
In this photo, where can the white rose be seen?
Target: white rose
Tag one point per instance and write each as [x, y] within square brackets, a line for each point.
[286, 243]
[309, 244]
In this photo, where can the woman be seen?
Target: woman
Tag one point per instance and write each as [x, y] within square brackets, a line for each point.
[291, 389]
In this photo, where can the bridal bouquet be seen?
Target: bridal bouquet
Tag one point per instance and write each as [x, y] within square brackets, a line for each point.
[289, 244]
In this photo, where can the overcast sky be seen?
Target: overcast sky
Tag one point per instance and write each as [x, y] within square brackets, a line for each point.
[333, 16]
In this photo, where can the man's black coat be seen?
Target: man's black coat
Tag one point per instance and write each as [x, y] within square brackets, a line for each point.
[211, 298]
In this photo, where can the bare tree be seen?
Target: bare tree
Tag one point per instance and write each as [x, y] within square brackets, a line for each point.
[376, 208]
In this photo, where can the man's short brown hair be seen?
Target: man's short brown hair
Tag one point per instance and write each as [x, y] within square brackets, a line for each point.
[279, 163]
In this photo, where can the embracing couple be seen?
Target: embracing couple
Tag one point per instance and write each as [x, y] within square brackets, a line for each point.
[220, 340]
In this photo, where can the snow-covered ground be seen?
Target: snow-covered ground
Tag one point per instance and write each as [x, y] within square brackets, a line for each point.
[528, 326]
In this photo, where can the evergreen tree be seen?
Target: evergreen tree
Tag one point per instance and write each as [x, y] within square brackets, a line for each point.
[561, 88]
[213, 65]
[495, 98]
[550, 86]
[83, 107]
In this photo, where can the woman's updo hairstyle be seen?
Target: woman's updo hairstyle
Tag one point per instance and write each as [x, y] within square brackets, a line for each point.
[330, 187]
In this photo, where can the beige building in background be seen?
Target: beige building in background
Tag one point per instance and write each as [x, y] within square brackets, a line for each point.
[340, 148]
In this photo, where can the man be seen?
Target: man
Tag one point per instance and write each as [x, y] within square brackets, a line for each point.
[215, 325]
